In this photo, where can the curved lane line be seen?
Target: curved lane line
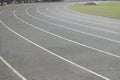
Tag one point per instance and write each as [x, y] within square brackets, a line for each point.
[74, 29]
[88, 21]
[83, 25]
[98, 50]
[7, 64]
[81, 67]
[69, 39]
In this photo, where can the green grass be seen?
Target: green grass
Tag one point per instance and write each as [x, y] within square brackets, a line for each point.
[106, 9]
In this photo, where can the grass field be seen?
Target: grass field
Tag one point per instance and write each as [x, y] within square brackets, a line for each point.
[106, 9]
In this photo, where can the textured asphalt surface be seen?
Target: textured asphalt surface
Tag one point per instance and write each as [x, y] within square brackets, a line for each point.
[46, 41]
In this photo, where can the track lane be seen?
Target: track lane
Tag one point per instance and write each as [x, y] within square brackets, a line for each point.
[39, 23]
[107, 60]
[46, 77]
[8, 72]
[73, 28]
[103, 22]
[80, 37]
[83, 22]
[103, 33]
[77, 20]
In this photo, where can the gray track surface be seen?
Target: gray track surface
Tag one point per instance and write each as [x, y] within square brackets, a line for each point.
[87, 40]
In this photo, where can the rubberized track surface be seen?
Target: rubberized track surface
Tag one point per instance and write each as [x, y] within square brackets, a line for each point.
[46, 41]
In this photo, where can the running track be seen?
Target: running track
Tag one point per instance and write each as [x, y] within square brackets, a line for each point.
[46, 41]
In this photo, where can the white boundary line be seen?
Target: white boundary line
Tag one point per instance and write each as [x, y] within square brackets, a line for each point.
[83, 19]
[14, 70]
[7, 64]
[83, 25]
[81, 67]
[98, 50]
[100, 19]
[72, 28]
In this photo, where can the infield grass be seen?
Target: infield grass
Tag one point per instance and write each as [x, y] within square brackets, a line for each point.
[106, 9]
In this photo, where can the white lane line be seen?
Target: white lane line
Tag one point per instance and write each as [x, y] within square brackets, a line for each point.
[93, 17]
[82, 18]
[79, 66]
[66, 39]
[68, 28]
[14, 70]
[7, 64]
[90, 27]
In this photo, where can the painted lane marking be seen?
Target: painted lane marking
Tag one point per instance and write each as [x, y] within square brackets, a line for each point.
[84, 25]
[98, 50]
[81, 67]
[72, 28]
[7, 64]
[85, 20]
